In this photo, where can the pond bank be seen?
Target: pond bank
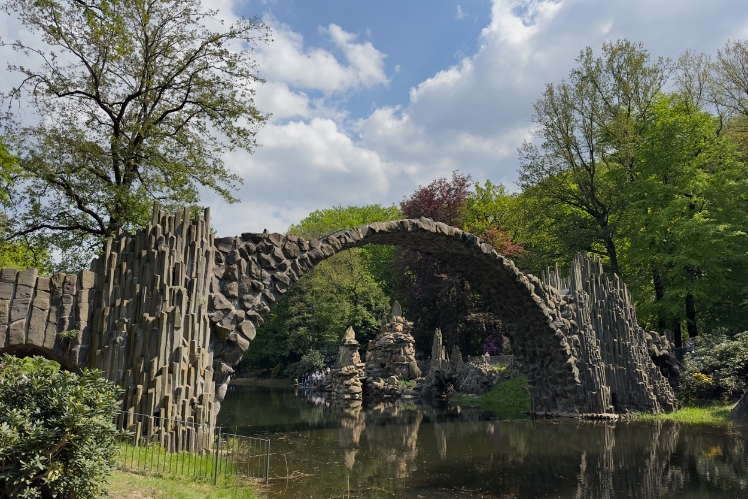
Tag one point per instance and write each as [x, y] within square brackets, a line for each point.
[509, 399]
[260, 381]
[715, 415]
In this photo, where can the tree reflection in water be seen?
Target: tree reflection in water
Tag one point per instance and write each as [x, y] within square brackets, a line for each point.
[374, 450]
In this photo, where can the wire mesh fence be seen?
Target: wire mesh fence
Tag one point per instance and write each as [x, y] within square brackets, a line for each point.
[243, 457]
[154, 444]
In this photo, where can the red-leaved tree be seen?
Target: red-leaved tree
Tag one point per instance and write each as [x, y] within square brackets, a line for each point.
[434, 295]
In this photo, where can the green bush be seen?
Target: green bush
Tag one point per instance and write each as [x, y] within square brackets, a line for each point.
[716, 371]
[57, 432]
[311, 361]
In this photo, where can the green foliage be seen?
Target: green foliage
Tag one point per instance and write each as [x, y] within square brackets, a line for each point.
[142, 106]
[66, 337]
[311, 361]
[508, 399]
[651, 182]
[8, 172]
[322, 222]
[23, 254]
[589, 129]
[716, 371]
[491, 213]
[685, 215]
[20, 253]
[57, 432]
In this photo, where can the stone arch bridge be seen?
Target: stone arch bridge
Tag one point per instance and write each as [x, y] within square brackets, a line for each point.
[166, 312]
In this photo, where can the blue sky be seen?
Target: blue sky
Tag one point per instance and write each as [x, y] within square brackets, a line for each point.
[372, 99]
[420, 37]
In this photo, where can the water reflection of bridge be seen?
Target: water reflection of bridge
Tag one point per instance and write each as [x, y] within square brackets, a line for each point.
[581, 460]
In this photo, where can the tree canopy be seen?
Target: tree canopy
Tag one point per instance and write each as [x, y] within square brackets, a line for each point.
[132, 100]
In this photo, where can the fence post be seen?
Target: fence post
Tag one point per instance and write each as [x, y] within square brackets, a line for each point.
[267, 463]
[218, 456]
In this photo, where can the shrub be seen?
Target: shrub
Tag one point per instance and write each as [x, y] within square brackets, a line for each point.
[716, 370]
[57, 432]
[311, 361]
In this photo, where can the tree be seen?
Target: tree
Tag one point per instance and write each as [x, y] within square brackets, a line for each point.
[589, 128]
[434, 295]
[490, 212]
[133, 100]
[441, 200]
[686, 218]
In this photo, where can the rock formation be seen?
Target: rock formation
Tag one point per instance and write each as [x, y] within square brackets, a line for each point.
[390, 357]
[345, 381]
[445, 375]
[661, 352]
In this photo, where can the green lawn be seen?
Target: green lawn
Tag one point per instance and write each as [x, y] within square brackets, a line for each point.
[716, 415]
[125, 485]
[509, 399]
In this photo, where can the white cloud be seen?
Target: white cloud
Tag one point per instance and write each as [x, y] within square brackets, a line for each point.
[460, 13]
[311, 164]
[287, 60]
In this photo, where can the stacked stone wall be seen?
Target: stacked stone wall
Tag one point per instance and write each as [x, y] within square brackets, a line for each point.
[35, 309]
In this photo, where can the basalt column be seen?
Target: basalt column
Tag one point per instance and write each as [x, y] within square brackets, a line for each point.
[151, 333]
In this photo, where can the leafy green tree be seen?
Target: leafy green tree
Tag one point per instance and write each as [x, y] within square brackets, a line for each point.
[132, 100]
[589, 128]
[491, 213]
[20, 253]
[686, 218]
[57, 431]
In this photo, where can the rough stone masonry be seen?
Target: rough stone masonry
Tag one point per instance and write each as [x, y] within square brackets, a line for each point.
[168, 311]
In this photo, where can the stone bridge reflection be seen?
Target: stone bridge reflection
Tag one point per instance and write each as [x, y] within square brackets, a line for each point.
[410, 450]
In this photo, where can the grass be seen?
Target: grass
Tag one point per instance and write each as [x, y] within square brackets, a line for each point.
[126, 485]
[153, 458]
[715, 415]
[509, 399]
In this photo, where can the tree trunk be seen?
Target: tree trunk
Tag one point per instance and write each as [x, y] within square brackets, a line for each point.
[691, 316]
[659, 295]
[677, 339]
[610, 247]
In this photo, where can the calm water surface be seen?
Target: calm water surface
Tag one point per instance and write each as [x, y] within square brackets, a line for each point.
[410, 451]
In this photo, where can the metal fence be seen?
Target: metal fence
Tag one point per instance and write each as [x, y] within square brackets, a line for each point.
[154, 444]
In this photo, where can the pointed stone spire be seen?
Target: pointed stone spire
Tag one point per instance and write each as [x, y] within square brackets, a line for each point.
[397, 310]
[350, 336]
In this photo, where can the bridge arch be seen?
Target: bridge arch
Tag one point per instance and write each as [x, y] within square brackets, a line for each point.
[253, 271]
[165, 313]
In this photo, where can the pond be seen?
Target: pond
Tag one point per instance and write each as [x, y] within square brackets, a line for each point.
[404, 450]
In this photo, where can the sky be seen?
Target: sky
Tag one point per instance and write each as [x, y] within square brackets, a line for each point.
[371, 100]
